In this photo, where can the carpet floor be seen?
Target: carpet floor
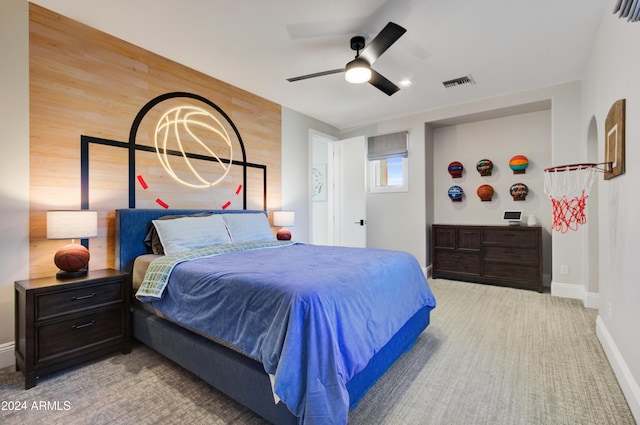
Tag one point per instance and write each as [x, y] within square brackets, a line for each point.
[491, 355]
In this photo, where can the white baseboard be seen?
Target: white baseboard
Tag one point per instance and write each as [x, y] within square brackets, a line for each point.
[567, 290]
[7, 354]
[592, 300]
[629, 385]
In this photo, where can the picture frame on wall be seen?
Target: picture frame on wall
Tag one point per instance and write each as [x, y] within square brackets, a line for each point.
[319, 182]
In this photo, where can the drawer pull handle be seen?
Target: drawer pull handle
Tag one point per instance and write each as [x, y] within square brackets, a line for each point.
[86, 325]
[84, 297]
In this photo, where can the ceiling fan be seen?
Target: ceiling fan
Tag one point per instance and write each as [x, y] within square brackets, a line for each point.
[359, 70]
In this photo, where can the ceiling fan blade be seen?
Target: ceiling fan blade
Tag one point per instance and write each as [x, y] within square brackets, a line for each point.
[317, 74]
[385, 38]
[381, 83]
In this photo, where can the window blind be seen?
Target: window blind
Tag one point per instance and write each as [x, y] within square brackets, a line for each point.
[387, 146]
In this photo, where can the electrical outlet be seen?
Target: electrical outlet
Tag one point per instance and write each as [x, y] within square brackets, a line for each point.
[564, 269]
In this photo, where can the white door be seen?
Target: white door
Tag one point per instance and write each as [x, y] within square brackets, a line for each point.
[350, 192]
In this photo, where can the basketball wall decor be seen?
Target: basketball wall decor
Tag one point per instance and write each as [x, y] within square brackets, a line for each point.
[455, 169]
[519, 164]
[614, 143]
[519, 191]
[485, 192]
[484, 167]
[455, 193]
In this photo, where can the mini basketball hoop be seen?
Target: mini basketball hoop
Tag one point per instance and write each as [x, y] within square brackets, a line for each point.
[568, 187]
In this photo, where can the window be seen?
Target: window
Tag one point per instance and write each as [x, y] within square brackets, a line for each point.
[388, 163]
[388, 175]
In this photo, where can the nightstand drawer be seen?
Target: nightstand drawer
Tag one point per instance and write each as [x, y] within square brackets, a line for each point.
[81, 332]
[65, 302]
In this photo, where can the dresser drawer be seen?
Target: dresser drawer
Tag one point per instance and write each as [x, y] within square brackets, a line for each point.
[69, 301]
[81, 332]
[469, 238]
[453, 262]
[511, 254]
[521, 238]
[444, 237]
[513, 272]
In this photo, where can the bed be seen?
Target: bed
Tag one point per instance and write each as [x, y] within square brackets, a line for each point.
[298, 351]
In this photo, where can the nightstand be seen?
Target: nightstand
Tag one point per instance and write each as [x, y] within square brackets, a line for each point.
[60, 323]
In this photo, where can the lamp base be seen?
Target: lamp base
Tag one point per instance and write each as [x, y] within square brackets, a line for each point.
[62, 275]
[283, 235]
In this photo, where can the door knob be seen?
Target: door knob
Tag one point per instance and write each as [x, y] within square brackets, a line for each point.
[361, 222]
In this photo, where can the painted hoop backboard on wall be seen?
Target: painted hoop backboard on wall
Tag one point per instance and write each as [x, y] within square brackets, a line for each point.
[614, 144]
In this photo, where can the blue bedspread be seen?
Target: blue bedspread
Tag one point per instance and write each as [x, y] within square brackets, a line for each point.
[313, 315]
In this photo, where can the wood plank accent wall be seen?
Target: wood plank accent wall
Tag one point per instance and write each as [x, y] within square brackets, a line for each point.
[86, 82]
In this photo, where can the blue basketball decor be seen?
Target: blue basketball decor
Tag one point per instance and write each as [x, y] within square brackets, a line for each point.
[519, 191]
[484, 167]
[455, 169]
[455, 193]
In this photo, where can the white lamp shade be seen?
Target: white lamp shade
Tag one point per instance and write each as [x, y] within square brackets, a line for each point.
[358, 71]
[72, 224]
[284, 218]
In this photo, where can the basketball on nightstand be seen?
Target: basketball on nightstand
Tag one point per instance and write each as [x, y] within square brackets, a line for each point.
[71, 258]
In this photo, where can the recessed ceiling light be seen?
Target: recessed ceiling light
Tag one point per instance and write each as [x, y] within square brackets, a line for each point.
[405, 83]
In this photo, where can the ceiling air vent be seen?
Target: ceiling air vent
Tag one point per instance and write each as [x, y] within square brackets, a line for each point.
[461, 81]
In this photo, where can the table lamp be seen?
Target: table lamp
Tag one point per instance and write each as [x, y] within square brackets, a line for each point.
[72, 259]
[282, 219]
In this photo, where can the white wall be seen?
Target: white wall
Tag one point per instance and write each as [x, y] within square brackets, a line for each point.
[295, 167]
[398, 220]
[499, 140]
[403, 220]
[611, 74]
[14, 162]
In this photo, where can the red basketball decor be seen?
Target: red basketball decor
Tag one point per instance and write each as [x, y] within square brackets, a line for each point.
[455, 169]
[484, 167]
[71, 258]
[519, 164]
[485, 192]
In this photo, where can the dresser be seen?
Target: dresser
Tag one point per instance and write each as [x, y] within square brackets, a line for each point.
[59, 323]
[499, 255]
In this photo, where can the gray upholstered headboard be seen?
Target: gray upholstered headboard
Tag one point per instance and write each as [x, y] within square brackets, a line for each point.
[133, 224]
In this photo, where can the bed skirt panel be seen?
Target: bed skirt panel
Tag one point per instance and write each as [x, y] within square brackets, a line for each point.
[241, 378]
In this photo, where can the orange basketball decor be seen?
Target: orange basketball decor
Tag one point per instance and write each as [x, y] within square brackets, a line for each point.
[72, 258]
[485, 192]
[519, 164]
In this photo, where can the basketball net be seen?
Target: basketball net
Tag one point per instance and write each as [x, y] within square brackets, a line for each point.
[568, 187]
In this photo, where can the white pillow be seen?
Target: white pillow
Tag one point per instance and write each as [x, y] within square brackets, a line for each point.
[186, 233]
[250, 227]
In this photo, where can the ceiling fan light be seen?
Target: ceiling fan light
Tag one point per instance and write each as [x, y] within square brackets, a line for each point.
[357, 71]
